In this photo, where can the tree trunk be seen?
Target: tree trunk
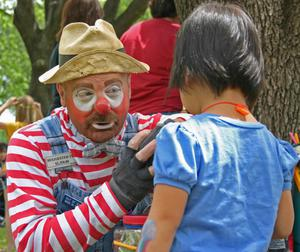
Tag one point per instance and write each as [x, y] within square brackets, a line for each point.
[38, 43]
[40, 92]
[278, 22]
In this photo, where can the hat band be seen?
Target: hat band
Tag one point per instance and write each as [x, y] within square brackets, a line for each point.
[63, 58]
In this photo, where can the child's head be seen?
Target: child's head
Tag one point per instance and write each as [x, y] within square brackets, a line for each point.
[218, 45]
[27, 110]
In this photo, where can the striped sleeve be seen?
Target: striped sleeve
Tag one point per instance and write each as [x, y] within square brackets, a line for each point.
[149, 122]
[32, 205]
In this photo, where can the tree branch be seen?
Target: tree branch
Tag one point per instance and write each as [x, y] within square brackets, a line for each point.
[110, 10]
[46, 7]
[53, 9]
[24, 20]
[130, 15]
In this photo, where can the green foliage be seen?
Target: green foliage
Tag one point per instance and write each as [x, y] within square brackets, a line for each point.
[147, 15]
[15, 65]
[124, 4]
[15, 68]
[3, 242]
[40, 13]
[3, 138]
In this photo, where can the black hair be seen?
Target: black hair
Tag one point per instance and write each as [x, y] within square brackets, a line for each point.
[3, 147]
[163, 8]
[218, 45]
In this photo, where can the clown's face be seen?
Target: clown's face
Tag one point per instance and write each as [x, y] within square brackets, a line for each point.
[97, 104]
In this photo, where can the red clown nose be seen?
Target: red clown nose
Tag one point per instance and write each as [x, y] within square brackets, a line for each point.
[102, 106]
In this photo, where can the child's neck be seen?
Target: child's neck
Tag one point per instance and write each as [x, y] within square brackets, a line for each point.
[231, 103]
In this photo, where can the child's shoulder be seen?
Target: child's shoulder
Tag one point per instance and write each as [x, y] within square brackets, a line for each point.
[201, 121]
[189, 128]
[285, 148]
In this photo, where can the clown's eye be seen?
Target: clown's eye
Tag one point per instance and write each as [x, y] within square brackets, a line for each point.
[113, 91]
[85, 95]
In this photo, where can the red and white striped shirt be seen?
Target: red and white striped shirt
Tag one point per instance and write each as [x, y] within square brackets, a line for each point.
[32, 205]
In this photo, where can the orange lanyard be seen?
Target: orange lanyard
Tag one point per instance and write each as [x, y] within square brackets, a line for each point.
[240, 108]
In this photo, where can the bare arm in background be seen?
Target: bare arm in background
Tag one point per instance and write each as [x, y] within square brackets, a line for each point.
[10, 102]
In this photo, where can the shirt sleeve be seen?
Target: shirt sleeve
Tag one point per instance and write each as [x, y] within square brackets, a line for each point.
[289, 160]
[177, 157]
[32, 206]
[151, 121]
[147, 121]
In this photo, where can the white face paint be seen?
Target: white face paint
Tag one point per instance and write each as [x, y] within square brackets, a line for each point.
[114, 94]
[84, 98]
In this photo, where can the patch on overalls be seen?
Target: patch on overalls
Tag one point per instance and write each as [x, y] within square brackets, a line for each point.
[60, 162]
[70, 201]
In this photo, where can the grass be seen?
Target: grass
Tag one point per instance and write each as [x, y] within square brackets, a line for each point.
[3, 242]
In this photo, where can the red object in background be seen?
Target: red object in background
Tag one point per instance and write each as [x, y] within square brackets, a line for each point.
[134, 219]
[152, 41]
[291, 243]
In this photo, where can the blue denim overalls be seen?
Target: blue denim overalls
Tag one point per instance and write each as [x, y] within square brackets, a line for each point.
[67, 195]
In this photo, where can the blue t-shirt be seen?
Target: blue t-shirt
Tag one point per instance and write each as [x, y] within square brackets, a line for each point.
[234, 173]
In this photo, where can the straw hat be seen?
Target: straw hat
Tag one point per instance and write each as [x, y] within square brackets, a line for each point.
[86, 50]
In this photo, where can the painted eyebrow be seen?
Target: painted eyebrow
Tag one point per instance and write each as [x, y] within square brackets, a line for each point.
[112, 81]
[106, 83]
[84, 85]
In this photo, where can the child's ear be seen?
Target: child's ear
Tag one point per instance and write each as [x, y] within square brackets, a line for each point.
[193, 83]
[189, 81]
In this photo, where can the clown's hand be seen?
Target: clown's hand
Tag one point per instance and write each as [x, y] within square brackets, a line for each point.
[132, 179]
[152, 135]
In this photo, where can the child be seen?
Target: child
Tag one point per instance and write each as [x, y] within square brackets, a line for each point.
[222, 180]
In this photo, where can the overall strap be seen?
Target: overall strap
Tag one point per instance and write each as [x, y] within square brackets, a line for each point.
[67, 195]
[132, 127]
[52, 130]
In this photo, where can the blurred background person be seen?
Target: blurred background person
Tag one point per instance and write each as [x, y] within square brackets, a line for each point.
[86, 11]
[153, 41]
[3, 150]
[27, 111]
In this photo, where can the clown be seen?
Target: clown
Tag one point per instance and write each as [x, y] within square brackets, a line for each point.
[68, 182]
